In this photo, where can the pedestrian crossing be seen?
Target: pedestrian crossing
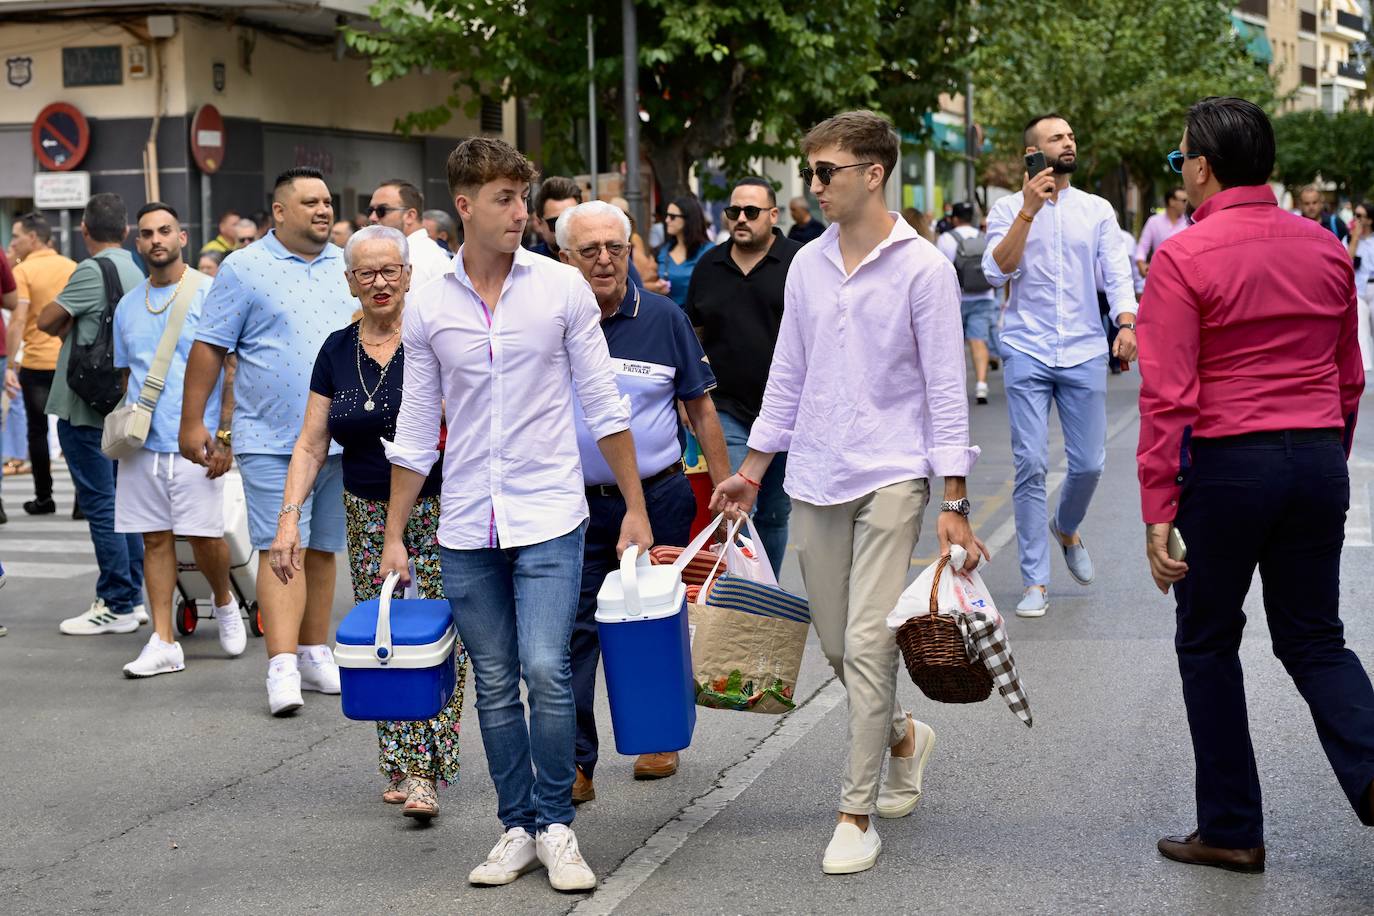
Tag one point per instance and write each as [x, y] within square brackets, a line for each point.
[45, 546]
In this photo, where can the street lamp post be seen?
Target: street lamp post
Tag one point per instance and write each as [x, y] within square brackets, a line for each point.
[591, 102]
[634, 196]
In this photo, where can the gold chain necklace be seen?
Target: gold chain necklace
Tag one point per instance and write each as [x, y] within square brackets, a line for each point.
[148, 295]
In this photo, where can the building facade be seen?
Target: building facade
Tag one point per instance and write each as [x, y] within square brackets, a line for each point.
[1313, 45]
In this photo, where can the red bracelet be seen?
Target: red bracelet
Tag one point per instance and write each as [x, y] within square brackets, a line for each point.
[753, 483]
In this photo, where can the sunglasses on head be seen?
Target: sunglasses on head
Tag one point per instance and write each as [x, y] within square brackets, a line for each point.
[1176, 159]
[732, 212]
[826, 172]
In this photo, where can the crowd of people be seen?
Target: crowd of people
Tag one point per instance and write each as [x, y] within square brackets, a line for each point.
[500, 416]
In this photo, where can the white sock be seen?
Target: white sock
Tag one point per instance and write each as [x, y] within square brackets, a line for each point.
[311, 652]
[284, 663]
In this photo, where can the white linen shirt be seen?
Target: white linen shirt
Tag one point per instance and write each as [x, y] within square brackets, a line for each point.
[1052, 311]
[427, 259]
[505, 378]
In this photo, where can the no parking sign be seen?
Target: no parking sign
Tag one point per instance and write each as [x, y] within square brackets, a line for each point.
[60, 137]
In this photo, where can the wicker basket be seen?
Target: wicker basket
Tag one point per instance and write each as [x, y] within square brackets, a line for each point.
[935, 655]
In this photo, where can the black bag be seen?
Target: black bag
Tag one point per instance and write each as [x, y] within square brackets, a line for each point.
[968, 263]
[91, 373]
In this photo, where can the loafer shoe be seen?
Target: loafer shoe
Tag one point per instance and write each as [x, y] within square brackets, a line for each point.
[851, 850]
[1034, 603]
[511, 857]
[1075, 557]
[582, 789]
[1190, 850]
[656, 766]
[902, 790]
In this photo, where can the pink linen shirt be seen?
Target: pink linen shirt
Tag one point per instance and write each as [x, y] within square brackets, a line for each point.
[1248, 325]
[866, 387]
[506, 377]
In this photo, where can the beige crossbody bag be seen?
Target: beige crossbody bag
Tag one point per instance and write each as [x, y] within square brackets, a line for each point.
[127, 426]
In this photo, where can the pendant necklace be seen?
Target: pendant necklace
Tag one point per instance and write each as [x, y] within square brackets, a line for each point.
[369, 404]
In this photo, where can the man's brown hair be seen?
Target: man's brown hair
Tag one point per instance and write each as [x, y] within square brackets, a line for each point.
[478, 160]
[865, 134]
[556, 187]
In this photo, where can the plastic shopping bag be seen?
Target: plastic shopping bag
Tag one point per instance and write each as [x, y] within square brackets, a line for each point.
[962, 592]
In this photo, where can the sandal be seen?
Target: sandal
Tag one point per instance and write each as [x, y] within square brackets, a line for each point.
[395, 792]
[423, 802]
[16, 466]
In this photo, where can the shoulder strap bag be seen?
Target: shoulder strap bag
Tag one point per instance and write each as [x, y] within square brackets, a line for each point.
[127, 426]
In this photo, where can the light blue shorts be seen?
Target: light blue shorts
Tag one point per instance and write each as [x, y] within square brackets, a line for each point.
[322, 516]
[980, 317]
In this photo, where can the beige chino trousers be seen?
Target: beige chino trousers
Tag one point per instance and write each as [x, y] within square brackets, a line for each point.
[855, 558]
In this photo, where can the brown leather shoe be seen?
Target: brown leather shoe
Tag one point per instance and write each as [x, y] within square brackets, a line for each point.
[582, 790]
[656, 766]
[1190, 850]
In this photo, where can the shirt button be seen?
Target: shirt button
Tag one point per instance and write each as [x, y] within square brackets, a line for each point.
[1178, 479]
[1173, 502]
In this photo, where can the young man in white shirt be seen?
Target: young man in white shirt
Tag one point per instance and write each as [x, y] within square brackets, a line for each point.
[866, 395]
[1049, 238]
[500, 346]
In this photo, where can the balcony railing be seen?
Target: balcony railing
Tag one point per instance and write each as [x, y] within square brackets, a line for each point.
[1307, 22]
[1352, 21]
[1254, 7]
[1309, 76]
[1350, 70]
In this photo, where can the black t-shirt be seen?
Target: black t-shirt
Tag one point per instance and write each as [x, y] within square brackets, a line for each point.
[738, 318]
[803, 234]
[366, 471]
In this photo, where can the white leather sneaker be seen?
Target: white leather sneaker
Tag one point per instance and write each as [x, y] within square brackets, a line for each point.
[141, 614]
[157, 657]
[851, 850]
[902, 790]
[284, 692]
[568, 871]
[98, 620]
[512, 856]
[233, 637]
[317, 668]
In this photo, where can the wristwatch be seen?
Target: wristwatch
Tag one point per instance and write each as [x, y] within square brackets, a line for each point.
[1126, 326]
[225, 437]
[289, 507]
[962, 506]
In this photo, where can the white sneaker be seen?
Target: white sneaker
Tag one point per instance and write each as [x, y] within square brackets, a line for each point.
[141, 614]
[512, 856]
[157, 657]
[98, 619]
[318, 670]
[902, 790]
[284, 692]
[851, 850]
[568, 871]
[980, 392]
[233, 638]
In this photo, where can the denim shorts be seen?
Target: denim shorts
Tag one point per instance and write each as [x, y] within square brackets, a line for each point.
[980, 317]
[322, 515]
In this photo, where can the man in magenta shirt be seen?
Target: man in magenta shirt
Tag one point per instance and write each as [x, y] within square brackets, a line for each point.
[1250, 383]
[866, 395]
[1160, 227]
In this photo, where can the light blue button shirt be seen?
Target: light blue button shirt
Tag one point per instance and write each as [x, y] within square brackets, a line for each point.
[1052, 312]
[137, 333]
[274, 309]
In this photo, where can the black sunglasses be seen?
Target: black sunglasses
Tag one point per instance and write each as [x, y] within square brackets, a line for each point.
[826, 172]
[750, 213]
[382, 210]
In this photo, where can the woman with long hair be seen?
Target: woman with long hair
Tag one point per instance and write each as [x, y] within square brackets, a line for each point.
[685, 225]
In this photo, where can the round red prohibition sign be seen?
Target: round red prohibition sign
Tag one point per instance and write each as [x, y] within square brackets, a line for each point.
[61, 137]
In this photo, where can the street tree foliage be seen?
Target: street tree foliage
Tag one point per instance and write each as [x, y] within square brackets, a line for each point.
[1337, 148]
[730, 80]
[1122, 72]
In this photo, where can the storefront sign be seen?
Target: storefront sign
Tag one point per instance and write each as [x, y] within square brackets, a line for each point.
[97, 66]
[61, 190]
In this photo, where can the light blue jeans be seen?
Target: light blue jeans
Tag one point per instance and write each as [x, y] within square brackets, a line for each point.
[1080, 393]
[514, 609]
[773, 506]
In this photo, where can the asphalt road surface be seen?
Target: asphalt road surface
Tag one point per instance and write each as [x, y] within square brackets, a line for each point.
[180, 794]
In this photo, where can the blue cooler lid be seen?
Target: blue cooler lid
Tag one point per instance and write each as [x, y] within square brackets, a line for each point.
[414, 622]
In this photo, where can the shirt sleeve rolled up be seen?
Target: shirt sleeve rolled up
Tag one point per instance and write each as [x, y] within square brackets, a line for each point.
[999, 223]
[416, 445]
[938, 330]
[607, 412]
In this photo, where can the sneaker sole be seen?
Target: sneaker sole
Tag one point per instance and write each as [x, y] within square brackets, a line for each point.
[330, 692]
[289, 709]
[853, 866]
[132, 675]
[101, 631]
[573, 888]
[906, 808]
[502, 881]
[1032, 614]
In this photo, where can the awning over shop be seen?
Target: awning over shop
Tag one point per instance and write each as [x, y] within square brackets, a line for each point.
[1256, 42]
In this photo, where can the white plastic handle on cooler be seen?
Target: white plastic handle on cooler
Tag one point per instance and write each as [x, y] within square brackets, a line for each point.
[629, 580]
[381, 643]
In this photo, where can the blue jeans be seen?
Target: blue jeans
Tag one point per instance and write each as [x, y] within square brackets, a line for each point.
[773, 506]
[672, 505]
[514, 609]
[1080, 393]
[15, 436]
[120, 556]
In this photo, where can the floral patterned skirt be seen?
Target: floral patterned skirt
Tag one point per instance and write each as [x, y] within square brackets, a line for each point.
[425, 749]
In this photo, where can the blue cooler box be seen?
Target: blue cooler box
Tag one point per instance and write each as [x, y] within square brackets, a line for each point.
[641, 616]
[395, 657]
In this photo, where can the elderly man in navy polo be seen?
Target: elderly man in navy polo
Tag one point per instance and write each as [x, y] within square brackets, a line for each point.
[658, 362]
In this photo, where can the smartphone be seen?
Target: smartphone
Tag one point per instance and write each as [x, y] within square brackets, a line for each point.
[1177, 549]
[1035, 163]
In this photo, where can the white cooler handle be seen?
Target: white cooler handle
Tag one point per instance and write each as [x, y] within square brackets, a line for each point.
[630, 561]
[381, 644]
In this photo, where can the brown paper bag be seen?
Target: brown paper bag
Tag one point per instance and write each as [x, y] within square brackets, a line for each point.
[745, 661]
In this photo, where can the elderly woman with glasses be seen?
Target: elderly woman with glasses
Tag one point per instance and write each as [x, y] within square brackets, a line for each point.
[355, 394]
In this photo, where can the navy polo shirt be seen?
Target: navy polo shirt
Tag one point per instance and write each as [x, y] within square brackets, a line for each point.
[658, 361]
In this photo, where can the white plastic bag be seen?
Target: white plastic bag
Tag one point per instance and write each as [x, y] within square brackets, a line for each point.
[958, 592]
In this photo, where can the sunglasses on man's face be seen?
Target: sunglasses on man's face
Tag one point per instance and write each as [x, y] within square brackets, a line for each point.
[1176, 159]
[827, 172]
[732, 212]
[383, 209]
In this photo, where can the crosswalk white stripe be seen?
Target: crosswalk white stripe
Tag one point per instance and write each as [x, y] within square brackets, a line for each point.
[47, 570]
[20, 527]
[39, 545]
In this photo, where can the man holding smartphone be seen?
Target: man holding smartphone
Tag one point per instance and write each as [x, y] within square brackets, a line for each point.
[1250, 385]
[1048, 239]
